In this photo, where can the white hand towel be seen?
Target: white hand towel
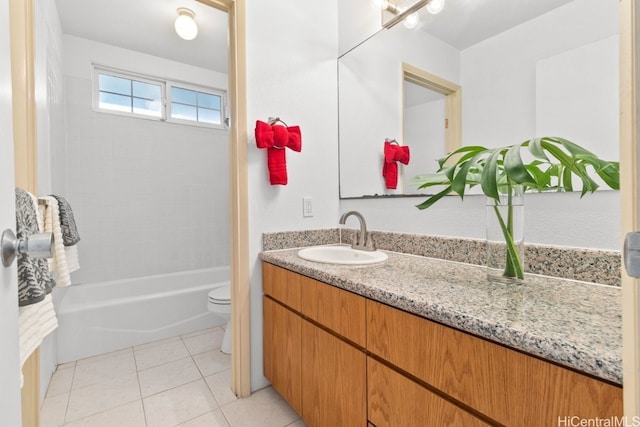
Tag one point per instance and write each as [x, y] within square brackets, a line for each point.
[35, 322]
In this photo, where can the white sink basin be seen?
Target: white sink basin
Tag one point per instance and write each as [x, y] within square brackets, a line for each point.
[341, 255]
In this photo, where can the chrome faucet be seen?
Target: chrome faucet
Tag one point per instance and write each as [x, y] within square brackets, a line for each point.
[362, 241]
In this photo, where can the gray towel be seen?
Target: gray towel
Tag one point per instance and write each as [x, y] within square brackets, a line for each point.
[70, 234]
[34, 279]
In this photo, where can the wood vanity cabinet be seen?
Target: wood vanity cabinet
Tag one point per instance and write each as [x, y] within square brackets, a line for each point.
[316, 367]
[340, 359]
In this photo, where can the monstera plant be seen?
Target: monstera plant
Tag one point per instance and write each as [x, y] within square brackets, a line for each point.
[552, 164]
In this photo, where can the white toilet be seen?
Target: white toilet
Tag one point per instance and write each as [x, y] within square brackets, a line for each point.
[220, 304]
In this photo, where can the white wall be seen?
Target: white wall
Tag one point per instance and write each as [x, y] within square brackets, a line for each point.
[149, 197]
[498, 75]
[507, 116]
[291, 73]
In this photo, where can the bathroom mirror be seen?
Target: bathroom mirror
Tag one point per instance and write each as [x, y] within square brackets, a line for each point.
[536, 69]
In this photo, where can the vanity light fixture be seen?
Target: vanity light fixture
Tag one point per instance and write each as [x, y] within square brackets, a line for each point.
[392, 13]
[411, 21]
[435, 6]
[185, 24]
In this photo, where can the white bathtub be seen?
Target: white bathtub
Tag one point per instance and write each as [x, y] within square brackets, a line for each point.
[102, 317]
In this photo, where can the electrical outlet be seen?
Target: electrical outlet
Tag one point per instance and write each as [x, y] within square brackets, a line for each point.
[307, 207]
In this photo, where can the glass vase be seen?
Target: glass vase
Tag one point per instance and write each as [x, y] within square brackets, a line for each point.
[505, 235]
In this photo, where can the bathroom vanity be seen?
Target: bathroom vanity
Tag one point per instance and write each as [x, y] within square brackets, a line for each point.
[424, 342]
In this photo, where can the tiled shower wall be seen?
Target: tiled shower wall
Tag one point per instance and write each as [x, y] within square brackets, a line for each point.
[149, 197]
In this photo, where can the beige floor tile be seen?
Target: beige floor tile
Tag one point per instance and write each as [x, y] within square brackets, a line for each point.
[169, 351]
[129, 415]
[99, 357]
[207, 341]
[66, 365]
[104, 368]
[265, 408]
[108, 394]
[169, 375]
[60, 382]
[155, 343]
[53, 410]
[299, 423]
[212, 361]
[179, 404]
[210, 419]
[220, 386]
[200, 332]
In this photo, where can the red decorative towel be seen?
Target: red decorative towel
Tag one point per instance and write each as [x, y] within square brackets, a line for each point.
[392, 154]
[275, 138]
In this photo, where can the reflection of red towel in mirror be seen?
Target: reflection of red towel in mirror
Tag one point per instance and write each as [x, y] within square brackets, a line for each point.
[392, 154]
[275, 138]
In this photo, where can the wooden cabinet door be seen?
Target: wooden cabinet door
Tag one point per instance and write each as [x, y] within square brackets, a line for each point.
[281, 347]
[396, 401]
[333, 380]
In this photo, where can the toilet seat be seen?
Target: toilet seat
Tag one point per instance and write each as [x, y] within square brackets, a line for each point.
[220, 295]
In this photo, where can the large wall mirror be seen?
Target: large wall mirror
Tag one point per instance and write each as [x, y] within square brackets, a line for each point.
[524, 69]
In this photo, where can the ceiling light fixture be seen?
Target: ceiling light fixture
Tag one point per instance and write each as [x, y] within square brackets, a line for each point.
[185, 24]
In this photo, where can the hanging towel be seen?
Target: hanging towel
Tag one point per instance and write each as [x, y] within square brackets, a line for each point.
[70, 234]
[35, 322]
[392, 154]
[275, 138]
[34, 278]
[59, 263]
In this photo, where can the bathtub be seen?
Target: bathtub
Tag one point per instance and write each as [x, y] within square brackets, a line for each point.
[98, 318]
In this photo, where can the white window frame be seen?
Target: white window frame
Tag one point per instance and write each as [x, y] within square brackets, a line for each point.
[129, 76]
[165, 87]
[196, 88]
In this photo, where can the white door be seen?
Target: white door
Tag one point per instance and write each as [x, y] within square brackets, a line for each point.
[10, 409]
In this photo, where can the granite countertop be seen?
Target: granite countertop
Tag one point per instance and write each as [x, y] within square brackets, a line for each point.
[575, 324]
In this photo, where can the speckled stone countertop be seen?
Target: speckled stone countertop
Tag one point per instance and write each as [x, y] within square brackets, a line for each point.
[575, 324]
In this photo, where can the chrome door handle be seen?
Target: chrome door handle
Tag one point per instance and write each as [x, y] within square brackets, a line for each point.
[38, 245]
[631, 254]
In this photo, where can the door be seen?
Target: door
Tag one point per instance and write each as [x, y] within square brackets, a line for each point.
[629, 195]
[9, 355]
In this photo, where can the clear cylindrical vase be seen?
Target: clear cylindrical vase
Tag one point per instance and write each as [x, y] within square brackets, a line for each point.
[505, 235]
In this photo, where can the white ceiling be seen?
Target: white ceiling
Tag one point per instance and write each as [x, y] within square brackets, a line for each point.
[463, 23]
[147, 26]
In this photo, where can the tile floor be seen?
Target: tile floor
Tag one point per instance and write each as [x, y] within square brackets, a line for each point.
[180, 381]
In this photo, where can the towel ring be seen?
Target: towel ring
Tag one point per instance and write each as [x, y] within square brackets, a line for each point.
[392, 141]
[272, 121]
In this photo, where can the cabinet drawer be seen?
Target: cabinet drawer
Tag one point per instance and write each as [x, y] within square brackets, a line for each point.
[503, 384]
[282, 285]
[396, 401]
[341, 311]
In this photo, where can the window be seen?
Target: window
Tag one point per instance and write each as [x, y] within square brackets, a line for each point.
[140, 96]
[129, 96]
[196, 106]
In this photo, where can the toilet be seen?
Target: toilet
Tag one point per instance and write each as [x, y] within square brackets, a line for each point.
[220, 304]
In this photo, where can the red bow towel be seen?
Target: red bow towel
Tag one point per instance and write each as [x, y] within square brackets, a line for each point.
[275, 138]
[392, 154]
